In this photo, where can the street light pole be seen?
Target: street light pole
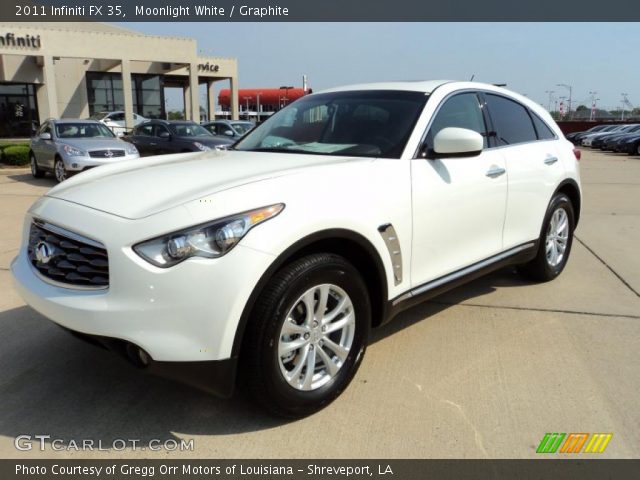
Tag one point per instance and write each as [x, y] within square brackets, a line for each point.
[593, 105]
[550, 92]
[625, 101]
[570, 88]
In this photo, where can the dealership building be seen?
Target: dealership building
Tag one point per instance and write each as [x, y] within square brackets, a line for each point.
[73, 70]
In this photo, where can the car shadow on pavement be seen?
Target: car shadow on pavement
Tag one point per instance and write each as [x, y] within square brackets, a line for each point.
[504, 278]
[54, 384]
[47, 181]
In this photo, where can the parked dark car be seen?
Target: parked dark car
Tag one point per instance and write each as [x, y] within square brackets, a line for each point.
[577, 140]
[158, 137]
[572, 137]
[230, 128]
[610, 141]
[630, 145]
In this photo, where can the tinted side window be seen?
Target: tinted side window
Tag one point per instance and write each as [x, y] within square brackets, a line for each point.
[461, 111]
[544, 132]
[161, 129]
[145, 130]
[511, 120]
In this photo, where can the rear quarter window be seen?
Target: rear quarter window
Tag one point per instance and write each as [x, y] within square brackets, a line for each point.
[543, 130]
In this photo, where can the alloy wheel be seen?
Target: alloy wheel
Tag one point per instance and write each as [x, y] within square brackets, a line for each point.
[60, 172]
[316, 337]
[34, 167]
[557, 237]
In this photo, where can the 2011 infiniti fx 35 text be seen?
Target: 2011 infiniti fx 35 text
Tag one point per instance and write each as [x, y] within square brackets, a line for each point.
[268, 264]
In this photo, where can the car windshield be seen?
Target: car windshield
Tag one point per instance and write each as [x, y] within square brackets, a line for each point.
[189, 130]
[82, 130]
[242, 127]
[369, 123]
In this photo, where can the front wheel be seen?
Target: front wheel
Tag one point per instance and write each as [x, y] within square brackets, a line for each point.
[59, 171]
[307, 335]
[35, 169]
[555, 240]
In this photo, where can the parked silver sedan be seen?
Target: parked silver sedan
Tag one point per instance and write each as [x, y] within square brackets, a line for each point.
[69, 146]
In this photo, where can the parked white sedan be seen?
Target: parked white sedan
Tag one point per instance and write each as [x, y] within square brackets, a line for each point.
[271, 262]
[116, 121]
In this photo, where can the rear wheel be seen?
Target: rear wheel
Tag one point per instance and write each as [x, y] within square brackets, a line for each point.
[307, 335]
[59, 171]
[35, 169]
[555, 241]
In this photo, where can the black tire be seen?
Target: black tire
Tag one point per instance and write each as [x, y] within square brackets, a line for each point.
[540, 268]
[260, 373]
[59, 172]
[635, 150]
[36, 171]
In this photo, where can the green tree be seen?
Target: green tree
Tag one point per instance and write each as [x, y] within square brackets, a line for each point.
[175, 115]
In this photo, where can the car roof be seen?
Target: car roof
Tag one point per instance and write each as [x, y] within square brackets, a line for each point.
[74, 120]
[168, 122]
[426, 86]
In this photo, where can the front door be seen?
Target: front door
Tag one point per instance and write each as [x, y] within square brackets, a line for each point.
[458, 203]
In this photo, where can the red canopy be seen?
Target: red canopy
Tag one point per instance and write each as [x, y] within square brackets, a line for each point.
[268, 96]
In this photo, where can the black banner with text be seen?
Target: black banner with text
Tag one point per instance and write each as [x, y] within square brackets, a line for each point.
[318, 10]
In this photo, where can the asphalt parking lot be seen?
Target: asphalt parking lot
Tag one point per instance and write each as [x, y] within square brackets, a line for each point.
[484, 371]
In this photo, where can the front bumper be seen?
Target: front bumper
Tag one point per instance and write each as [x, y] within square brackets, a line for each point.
[80, 163]
[187, 313]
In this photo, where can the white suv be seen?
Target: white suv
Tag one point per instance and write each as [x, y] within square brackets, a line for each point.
[274, 259]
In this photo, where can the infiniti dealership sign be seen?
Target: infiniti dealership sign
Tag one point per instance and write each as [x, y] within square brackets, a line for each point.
[26, 41]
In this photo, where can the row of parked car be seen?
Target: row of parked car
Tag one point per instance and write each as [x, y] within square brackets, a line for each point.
[614, 138]
[67, 146]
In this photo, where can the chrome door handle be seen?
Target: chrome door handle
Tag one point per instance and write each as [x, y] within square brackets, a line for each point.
[550, 160]
[153, 143]
[495, 171]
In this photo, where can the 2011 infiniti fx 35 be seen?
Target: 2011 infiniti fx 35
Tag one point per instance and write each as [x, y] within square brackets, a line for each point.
[269, 263]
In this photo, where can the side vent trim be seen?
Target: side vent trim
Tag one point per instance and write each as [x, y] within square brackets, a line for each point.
[390, 238]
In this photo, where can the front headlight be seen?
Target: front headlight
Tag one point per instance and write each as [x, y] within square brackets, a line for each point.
[210, 240]
[73, 151]
[200, 146]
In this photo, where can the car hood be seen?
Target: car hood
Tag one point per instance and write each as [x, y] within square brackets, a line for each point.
[143, 187]
[89, 144]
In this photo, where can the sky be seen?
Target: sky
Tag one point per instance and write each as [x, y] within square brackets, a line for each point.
[531, 58]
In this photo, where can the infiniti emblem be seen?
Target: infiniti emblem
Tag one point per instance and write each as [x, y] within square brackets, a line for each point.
[108, 154]
[44, 252]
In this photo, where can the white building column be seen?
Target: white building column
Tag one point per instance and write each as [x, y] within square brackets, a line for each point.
[194, 91]
[48, 94]
[234, 98]
[211, 100]
[127, 93]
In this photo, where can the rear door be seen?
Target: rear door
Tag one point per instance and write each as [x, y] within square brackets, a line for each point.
[531, 151]
[458, 203]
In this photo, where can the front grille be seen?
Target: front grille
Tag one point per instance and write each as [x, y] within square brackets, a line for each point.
[67, 257]
[106, 153]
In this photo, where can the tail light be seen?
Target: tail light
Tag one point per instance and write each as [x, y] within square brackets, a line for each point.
[577, 153]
